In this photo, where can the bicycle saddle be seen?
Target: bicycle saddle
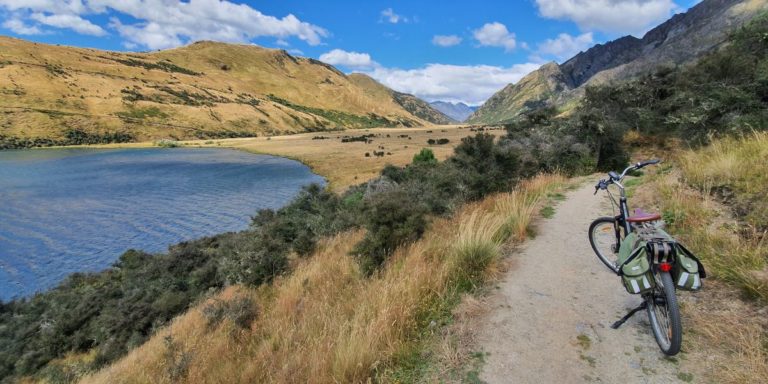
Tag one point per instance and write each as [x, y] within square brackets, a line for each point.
[641, 217]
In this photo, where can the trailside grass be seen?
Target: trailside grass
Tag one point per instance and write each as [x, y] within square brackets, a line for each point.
[703, 201]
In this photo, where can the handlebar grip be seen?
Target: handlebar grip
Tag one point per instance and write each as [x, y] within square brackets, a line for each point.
[648, 162]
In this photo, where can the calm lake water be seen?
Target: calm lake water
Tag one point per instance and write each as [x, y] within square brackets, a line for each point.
[69, 210]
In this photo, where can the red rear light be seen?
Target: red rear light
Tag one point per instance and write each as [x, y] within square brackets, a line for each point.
[665, 267]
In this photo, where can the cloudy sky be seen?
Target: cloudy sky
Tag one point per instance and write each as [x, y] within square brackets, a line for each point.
[438, 50]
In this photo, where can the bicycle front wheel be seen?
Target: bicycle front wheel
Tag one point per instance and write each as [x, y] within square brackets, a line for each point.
[664, 314]
[602, 237]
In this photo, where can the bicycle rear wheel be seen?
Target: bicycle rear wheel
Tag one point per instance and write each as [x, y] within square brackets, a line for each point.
[664, 314]
[602, 237]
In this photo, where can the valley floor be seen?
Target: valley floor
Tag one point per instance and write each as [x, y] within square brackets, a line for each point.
[343, 164]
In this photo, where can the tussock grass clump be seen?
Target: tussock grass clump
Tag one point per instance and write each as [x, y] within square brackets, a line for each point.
[328, 322]
[728, 252]
[477, 244]
[733, 170]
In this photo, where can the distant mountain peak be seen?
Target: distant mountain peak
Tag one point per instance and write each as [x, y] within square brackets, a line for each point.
[455, 110]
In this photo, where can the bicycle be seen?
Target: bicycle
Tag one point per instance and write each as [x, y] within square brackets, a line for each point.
[608, 236]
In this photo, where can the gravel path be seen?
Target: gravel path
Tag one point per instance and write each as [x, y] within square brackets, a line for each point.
[550, 318]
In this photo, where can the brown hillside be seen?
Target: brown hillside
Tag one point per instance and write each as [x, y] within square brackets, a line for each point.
[203, 90]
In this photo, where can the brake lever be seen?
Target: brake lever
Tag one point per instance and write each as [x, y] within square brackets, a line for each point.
[600, 185]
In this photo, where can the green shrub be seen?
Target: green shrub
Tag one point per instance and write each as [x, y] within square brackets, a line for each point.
[486, 166]
[392, 219]
[254, 259]
[426, 156]
[137, 113]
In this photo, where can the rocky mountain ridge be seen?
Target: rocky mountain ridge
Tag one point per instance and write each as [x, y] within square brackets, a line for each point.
[678, 41]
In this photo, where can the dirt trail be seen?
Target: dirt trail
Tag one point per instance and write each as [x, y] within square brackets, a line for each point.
[550, 319]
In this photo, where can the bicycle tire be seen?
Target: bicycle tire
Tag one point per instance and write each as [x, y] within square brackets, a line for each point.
[606, 259]
[664, 298]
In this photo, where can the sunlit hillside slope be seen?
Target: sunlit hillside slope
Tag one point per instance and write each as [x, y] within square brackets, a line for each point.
[71, 95]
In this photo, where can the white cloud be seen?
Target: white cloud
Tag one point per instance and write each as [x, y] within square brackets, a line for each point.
[446, 40]
[470, 84]
[53, 6]
[390, 16]
[17, 26]
[495, 35]
[157, 24]
[73, 22]
[614, 16]
[348, 59]
[565, 46]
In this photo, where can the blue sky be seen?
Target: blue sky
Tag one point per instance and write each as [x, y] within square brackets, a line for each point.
[437, 50]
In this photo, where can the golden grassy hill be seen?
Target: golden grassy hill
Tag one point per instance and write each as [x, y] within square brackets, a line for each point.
[536, 90]
[72, 95]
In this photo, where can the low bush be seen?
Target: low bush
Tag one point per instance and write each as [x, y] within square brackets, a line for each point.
[438, 141]
[392, 219]
[240, 311]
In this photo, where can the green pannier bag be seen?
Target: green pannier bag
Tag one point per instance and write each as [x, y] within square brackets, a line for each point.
[688, 270]
[636, 274]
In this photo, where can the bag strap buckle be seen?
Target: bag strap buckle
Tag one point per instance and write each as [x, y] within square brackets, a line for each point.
[661, 250]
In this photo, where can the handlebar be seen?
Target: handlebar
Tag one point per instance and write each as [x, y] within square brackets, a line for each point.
[647, 162]
[614, 178]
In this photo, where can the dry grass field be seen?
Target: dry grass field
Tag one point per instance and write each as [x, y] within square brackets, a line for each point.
[345, 164]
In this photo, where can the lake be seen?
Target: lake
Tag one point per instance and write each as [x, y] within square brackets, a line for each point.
[77, 210]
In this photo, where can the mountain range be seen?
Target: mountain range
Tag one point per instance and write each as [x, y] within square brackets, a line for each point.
[456, 111]
[678, 41]
[66, 95]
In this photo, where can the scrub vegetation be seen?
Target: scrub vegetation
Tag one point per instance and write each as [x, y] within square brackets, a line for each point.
[106, 314]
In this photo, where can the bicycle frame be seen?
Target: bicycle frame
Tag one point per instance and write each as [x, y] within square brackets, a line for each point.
[621, 219]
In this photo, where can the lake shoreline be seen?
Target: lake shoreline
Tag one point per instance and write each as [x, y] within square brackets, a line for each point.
[341, 164]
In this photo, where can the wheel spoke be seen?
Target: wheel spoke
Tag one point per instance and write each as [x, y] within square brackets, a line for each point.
[603, 238]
